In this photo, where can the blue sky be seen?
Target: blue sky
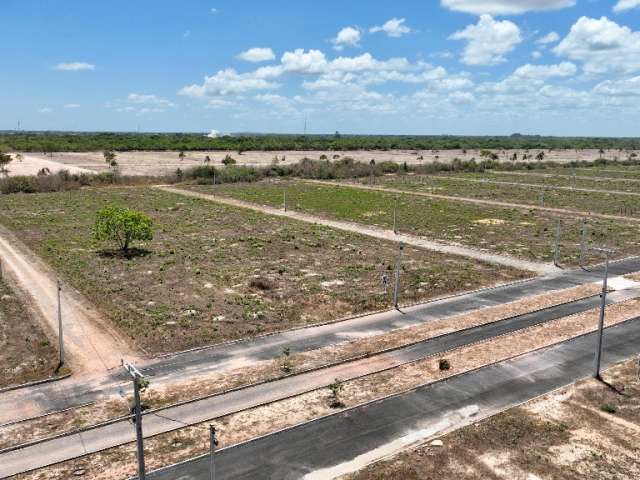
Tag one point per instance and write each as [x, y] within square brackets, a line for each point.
[560, 67]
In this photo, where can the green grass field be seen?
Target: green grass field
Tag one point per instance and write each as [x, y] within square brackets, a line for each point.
[528, 234]
[215, 273]
[591, 202]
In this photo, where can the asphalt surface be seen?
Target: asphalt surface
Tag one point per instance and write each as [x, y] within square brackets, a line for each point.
[314, 449]
[169, 419]
[58, 396]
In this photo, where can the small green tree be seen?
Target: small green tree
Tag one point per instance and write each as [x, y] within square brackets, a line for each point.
[228, 160]
[110, 158]
[122, 225]
[181, 156]
[5, 159]
[285, 360]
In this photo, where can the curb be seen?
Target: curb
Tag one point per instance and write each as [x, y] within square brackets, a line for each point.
[34, 383]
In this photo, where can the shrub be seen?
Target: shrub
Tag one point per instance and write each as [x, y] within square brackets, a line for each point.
[122, 225]
[228, 160]
[262, 283]
[335, 389]
[609, 408]
[444, 364]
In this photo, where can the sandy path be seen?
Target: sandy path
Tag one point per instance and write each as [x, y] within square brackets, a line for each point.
[476, 201]
[91, 347]
[538, 186]
[31, 165]
[376, 232]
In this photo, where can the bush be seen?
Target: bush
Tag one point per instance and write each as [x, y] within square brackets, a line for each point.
[444, 364]
[228, 160]
[607, 407]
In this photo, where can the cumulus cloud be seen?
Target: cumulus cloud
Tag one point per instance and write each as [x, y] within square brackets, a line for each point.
[347, 37]
[394, 28]
[145, 99]
[226, 82]
[564, 69]
[72, 105]
[488, 41]
[257, 55]
[44, 110]
[624, 5]
[74, 66]
[536, 54]
[505, 7]
[603, 46]
[551, 37]
[629, 87]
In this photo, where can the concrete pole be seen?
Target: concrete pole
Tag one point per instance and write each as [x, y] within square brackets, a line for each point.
[583, 242]
[556, 255]
[603, 305]
[212, 447]
[60, 332]
[396, 290]
[395, 217]
[284, 199]
[139, 437]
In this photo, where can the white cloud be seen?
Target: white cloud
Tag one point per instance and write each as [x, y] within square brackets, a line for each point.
[393, 28]
[257, 55]
[536, 54]
[347, 37]
[214, 10]
[226, 82]
[300, 61]
[564, 69]
[144, 99]
[505, 7]
[488, 41]
[72, 105]
[74, 66]
[44, 110]
[629, 87]
[551, 37]
[603, 46]
[624, 5]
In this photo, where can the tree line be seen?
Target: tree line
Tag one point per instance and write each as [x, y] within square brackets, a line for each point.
[47, 142]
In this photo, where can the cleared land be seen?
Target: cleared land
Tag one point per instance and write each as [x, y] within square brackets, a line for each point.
[585, 431]
[511, 231]
[27, 354]
[164, 162]
[589, 202]
[216, 273]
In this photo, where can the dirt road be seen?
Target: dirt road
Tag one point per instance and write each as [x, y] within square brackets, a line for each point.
[32, 164]
[376, 232]
[91, 346]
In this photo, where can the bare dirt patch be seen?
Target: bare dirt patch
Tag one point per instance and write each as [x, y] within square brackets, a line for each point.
[26, 353]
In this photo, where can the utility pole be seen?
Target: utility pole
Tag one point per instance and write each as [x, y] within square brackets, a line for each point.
[603, 304]
[583, 242]
[137, 376]
[396, 290]
[556, 255]
[213, 443]
[395, 216]
[284, 199]
[60, 333]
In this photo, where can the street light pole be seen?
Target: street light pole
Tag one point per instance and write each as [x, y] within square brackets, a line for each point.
[603, 304]
[556, 255]
[60, 336]
[583, 242]
[395, 216]
[284, 199]
[396, 290]
[137, 376]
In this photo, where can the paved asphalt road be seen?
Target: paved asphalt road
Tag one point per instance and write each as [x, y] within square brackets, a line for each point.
[312, 450]
[100, 438]
[57, 396]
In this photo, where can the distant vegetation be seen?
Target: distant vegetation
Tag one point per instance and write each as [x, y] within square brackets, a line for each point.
[66, 142]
